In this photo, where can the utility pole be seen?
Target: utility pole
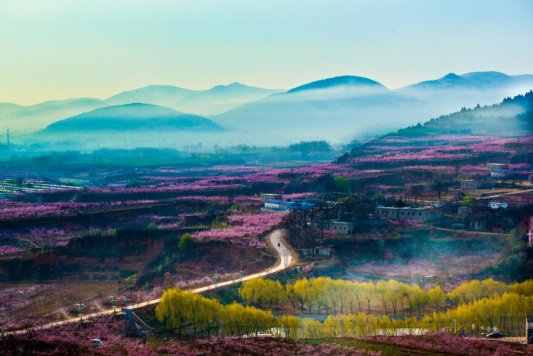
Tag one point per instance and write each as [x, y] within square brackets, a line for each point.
[80, 312]
[114, 304]
[215, 278]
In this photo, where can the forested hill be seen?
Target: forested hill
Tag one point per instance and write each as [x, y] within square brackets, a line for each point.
[512, 117]
[482, 130]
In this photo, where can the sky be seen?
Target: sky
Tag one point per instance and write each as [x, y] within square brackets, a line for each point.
[55, 49]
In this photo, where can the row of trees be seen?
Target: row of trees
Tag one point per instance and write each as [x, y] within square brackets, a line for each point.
[194, 314]
[185, 311]
[325, 295]
[505, 313]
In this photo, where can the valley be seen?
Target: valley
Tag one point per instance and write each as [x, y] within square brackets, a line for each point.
[406, 218]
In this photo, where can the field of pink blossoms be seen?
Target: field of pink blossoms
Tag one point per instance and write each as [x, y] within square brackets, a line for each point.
[244, 229]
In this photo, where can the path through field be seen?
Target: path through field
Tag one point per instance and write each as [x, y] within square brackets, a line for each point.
[275, 238]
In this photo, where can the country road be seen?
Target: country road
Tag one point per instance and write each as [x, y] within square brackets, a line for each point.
[506, 194]
[285, 258]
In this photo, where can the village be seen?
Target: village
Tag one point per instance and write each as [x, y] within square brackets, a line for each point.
[469, 205]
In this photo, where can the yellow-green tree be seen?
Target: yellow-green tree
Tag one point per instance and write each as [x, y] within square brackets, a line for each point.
[290, 325]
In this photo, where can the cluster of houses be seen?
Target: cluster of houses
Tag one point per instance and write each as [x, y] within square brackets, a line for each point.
[497, 171]
[275, 202]
[381, 216]
[461, 216]
[416, 214]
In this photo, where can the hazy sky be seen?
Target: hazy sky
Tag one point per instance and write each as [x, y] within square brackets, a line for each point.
[52, 49]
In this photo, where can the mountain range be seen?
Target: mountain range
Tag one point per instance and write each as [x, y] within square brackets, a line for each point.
[336, 109]
[218, 99]
[344, 107]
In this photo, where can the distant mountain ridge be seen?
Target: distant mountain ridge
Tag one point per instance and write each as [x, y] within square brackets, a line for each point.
[215, 100]
[335, 109]
[475, 80]
[133, 117]
[340, 108]
[220, 98]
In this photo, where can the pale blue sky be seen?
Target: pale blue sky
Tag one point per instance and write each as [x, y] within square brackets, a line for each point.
[52, 49]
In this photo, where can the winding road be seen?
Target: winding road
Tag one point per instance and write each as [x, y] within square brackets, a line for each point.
[275, 238]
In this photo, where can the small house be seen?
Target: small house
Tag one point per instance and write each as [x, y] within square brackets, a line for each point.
[270, 196]
[492, 166]
[341, 227]
[500, 173]
[317, 251]
[469, 184]
[497, 205]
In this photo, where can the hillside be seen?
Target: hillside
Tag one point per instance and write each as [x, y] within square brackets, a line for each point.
[501, 131]
[132, 117]
[513, 116]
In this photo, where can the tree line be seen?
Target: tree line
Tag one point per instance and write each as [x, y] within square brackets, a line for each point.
[195, 314]
[506, 313]
[473, 307]
[329, 296]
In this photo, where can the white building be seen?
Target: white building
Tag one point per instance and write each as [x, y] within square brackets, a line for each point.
[497, 205]
[341, 227]
[274, 206]
[405, 213]
[270, 196]
[492, 166]
[499, 173]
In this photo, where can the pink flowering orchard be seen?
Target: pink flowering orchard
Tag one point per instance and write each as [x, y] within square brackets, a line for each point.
[244, 229]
